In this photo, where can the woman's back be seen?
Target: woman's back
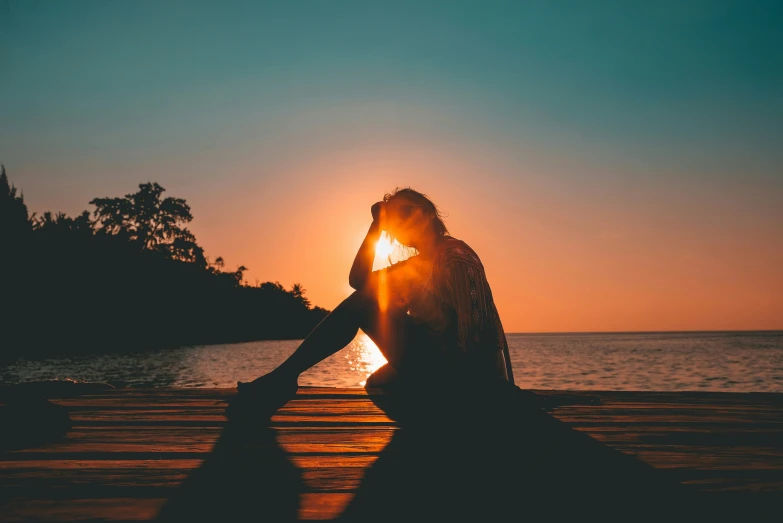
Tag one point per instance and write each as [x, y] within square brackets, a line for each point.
[449, 295]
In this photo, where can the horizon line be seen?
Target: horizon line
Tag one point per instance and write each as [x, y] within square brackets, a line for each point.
[651, 331]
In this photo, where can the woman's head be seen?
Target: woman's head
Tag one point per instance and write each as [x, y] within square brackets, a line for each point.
[411, 216]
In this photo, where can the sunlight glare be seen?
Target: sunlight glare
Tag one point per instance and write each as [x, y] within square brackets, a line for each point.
[384, 247]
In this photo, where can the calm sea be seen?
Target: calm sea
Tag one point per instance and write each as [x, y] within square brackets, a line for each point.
[673, 361]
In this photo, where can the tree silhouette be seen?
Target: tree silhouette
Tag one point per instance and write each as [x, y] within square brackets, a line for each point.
[240, 273]
[298, 292]
[14, 221]
[132, 278]
[60, 224]
[153, 222]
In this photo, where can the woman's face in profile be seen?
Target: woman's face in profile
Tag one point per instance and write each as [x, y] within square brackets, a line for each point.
[405, 221]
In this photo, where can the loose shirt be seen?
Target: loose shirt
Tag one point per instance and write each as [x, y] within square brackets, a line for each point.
[454, 300]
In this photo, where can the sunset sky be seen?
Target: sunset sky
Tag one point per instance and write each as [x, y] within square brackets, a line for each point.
[616, 168]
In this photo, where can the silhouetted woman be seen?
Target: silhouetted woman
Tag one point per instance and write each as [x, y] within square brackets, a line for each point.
[432, 315]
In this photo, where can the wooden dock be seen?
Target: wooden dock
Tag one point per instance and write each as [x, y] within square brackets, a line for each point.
[171, 454]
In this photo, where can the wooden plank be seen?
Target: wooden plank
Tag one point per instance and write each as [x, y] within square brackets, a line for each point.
[643, 397]
[699, 458]
[319, 405]
[296, 441]
[199, 435]
[735, 414]
[727, 435]
[292, 440]
[320, 506]
[48, 474]
[691, 462]
[755, 398]
[88, 466]
[72, 510]
[356, 411]
[303, 391]
[101, 419]
[77, 446]
[726, 483]
[127, 479]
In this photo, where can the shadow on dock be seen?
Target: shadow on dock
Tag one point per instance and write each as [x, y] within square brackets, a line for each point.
[498, 457]
[247, 475]
[452, 458]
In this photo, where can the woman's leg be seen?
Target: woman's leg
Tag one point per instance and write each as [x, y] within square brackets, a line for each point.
[359, 310]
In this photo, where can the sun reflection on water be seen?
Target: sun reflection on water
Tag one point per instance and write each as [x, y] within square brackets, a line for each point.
[364, 356]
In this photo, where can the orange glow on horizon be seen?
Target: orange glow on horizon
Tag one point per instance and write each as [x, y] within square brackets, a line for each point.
[559, 257]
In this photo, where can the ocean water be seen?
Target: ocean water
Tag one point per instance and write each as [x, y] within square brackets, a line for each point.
[673, 361]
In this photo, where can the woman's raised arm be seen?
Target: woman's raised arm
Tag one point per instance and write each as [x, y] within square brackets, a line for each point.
[362, 264]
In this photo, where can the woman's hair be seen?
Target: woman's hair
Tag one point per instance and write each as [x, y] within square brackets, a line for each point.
[420, 199]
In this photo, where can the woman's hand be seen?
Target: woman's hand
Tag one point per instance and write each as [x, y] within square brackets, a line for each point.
[362, 263]
[377, 209]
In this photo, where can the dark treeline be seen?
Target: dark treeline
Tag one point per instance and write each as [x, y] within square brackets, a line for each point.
[127, 276]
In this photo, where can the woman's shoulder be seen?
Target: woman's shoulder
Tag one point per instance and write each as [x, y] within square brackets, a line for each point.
[454, 250]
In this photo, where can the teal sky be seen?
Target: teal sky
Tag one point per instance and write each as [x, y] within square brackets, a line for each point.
[655, 116]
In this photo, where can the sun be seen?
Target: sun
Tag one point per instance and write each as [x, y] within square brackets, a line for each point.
[384, 247]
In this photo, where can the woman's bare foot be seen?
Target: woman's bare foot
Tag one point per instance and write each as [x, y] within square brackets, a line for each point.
[263, 396]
